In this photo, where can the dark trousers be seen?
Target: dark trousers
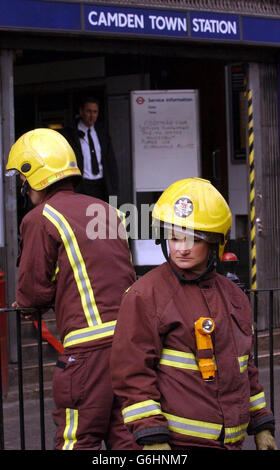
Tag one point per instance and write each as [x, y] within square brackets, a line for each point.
[87, 414]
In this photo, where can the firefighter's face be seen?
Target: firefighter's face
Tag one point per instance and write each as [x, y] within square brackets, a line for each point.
[89, 113]
[189, 253]
[36, 197]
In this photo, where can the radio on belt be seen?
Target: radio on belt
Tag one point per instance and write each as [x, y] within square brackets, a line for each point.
[204, 326]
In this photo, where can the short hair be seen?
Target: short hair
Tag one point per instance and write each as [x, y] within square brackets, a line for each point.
[88, 99]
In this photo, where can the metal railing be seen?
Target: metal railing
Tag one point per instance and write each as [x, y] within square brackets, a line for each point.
[266, 300]
[37, 314]
[272, 310]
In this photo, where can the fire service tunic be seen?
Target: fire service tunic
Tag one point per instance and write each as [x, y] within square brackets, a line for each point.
[154, 363]
[75, 256]
[63, 263]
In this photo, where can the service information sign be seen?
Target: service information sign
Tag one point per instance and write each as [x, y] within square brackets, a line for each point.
[165, 135]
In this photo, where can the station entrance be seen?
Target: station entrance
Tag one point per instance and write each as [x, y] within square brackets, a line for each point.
[48, 87]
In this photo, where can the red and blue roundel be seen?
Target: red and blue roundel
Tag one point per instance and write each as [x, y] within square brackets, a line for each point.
[140, 100]
[183, 207]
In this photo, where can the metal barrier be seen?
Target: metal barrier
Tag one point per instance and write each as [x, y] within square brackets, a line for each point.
[254, 296]
[269, 315]
[37, 314]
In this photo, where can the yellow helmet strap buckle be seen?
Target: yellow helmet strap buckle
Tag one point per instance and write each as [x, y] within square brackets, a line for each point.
[211, 265]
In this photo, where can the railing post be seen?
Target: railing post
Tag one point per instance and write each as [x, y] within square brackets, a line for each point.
[28, 311]
[256, 344]
[271, 362]
[41, 381]
[3, 336]
[20, 382]
[2, 442]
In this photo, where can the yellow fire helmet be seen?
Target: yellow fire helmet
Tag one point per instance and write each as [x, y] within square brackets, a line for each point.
[194, 205]
[44, 157]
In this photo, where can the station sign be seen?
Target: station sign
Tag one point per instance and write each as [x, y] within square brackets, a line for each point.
[135, 21]
[214, 26]
[83, 17]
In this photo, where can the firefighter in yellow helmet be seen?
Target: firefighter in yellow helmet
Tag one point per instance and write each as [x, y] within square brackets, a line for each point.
[181, 357]
[62, 264]
[195, 209]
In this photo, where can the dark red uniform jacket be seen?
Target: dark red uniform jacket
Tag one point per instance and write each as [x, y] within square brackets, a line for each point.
[64, 264]
[155, 370]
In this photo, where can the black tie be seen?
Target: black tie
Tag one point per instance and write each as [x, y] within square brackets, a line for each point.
[94, 162]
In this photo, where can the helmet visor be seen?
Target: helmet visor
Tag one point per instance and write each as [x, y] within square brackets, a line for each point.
[184, 240]
[12, 172]
[167, 231]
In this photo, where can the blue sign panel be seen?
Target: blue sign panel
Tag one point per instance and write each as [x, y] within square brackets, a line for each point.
[85, 17]
[39, 15]
[214, 26]
[261, 29]
[135, 21]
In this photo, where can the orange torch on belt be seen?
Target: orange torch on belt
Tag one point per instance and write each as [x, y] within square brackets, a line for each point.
[204, 326]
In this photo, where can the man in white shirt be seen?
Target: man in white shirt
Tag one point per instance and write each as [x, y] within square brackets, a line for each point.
[94, 152]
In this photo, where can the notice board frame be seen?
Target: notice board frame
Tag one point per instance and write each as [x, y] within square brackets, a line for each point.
[158, 166]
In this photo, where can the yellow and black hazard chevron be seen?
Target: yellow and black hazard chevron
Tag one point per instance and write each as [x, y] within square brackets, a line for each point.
[252, 192]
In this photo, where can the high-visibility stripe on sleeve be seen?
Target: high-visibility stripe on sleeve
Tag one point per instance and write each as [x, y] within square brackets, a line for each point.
[235, 434]
[70, 430]
[257, 402]
[204, 429]
[77, 263]
[191, 427]
[243, 362]
[143, 409]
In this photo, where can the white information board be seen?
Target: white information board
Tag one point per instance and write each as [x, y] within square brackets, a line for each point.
[165, 137]
[166, 148]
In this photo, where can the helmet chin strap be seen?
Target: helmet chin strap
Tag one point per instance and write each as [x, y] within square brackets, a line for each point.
[211, 265]
[24, 190]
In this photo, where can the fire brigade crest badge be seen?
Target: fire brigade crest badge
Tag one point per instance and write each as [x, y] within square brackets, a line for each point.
[183, 207]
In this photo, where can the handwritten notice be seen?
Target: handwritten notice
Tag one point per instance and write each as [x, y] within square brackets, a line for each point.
[164, 134]
[165, 137]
